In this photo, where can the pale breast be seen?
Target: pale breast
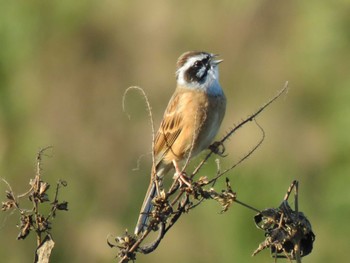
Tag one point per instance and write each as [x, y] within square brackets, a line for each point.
[211, 124]
[201, 118]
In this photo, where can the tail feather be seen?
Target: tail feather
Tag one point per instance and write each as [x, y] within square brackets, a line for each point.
[145, 209]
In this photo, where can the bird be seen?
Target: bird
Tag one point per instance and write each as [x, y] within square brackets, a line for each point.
[190, 122]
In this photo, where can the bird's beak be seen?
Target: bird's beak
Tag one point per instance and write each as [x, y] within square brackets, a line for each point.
[216, 62]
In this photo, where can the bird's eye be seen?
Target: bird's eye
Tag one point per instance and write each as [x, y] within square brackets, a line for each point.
[197, 64]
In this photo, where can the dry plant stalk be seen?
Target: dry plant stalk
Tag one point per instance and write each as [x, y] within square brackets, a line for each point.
[288, 232]
[32, 219]
[170, 204]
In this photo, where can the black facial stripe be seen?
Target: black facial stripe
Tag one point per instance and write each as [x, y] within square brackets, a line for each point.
[199, 71]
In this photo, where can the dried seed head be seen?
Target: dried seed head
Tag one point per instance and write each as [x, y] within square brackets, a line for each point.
[7, 205]
[43, 187]
[26, 225]
[9, 195]
[62, 206]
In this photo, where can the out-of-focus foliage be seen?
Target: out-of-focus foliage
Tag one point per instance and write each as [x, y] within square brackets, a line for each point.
[64, 66]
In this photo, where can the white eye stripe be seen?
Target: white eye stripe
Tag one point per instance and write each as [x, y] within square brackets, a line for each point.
[191, 61]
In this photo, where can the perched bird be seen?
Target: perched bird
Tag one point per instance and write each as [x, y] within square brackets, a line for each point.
[190, 122]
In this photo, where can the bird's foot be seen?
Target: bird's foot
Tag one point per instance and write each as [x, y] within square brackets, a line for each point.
[181, 176]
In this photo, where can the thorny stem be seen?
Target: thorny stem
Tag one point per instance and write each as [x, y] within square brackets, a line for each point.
[149, 109]
[295, 185]
[37, 186]
[242, 159]
[296, 206]
[252, 117]
[240, 125]
[55, 201]
[297, 252]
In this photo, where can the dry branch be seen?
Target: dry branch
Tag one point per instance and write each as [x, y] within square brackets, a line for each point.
[32, 219]
[170, 204]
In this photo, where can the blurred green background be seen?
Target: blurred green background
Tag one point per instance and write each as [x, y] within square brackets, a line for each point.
[64, 66]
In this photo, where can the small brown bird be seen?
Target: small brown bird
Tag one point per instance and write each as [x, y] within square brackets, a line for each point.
[190, 122]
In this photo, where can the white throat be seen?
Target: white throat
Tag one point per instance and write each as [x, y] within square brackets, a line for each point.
[211, 84]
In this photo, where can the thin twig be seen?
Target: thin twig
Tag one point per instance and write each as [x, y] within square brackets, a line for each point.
[149, 110]
[244, 157]
[247, 206]
[240, 125]
[253, 116]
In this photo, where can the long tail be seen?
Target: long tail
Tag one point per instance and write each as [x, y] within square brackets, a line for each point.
[145, 209]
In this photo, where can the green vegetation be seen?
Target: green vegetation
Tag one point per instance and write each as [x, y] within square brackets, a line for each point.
[64, 66]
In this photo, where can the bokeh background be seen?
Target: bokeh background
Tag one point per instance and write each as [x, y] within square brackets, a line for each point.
[64, 66]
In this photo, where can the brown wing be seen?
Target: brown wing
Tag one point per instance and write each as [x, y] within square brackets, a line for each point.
[169, 129]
